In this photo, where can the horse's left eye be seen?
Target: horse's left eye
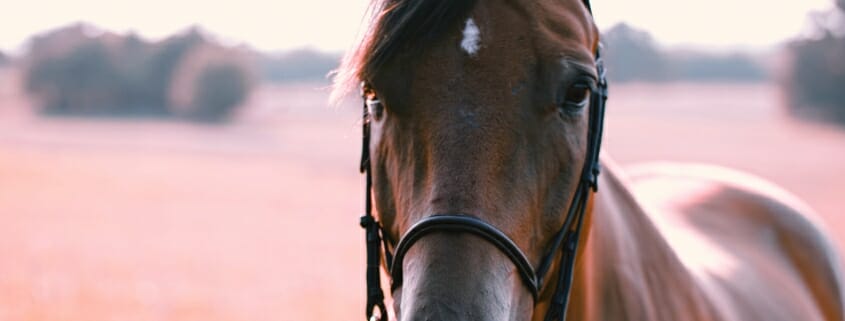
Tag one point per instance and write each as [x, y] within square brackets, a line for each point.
[577, 96]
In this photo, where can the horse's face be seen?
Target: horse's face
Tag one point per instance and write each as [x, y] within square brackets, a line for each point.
[489, 120]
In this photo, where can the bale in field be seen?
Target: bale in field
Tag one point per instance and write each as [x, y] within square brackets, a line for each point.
[210, 83]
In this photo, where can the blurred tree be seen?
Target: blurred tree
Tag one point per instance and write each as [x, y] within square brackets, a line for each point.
[633, 55]
[73, 70]
[164, 63]
[83, 81]
[218, 90]
[816, 75]
[139, 92]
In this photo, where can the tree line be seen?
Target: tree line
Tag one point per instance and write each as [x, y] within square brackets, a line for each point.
[633, 55]
[78, 70]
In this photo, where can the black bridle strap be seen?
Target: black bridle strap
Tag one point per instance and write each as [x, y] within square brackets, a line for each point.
[566, 267]
[592, 169]
[468, 224]
[592, 166]
[373, 238]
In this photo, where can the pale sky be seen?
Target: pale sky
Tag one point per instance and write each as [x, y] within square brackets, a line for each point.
[334, 24]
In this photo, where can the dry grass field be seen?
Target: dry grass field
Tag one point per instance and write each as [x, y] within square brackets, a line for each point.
[257, 220]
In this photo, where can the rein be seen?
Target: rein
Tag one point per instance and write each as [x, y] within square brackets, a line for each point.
[565, 240]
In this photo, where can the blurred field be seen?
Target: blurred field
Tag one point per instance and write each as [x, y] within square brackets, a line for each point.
[257, 220]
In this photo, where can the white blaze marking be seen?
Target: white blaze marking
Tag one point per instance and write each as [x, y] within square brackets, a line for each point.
[472, 38]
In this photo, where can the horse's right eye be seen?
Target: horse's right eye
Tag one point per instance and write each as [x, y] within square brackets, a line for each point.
[375, 108]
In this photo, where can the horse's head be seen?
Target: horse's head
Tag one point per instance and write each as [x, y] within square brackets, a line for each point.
[477, 109]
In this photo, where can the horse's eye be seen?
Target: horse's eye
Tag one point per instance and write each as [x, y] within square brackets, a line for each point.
[577, 96]
[375, 108]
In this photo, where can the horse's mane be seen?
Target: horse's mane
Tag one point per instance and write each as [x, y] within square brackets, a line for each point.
[395, 25]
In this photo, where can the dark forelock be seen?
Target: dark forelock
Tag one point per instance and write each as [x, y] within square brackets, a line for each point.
[397, 26]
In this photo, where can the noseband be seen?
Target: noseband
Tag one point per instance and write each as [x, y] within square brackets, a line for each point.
[565, 240]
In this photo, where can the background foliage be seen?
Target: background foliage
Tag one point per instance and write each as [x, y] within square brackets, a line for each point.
[632, 55]
[815, 82]
[73, 72]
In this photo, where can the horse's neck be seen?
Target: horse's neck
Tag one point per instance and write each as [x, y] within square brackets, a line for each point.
[629, 271]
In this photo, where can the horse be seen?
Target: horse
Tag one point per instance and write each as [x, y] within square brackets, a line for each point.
[483, 198]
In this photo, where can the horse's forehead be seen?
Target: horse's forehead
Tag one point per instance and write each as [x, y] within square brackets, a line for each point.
[501, 40]
[499, 46]
[555, 27]
[490, 54]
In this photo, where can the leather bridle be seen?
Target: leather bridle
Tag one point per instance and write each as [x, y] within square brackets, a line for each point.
[565, 240]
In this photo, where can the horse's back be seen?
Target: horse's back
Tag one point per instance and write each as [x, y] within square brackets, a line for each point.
[757, 251]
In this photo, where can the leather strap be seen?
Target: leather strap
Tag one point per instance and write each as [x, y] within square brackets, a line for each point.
[372, 234]
[468, 224]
